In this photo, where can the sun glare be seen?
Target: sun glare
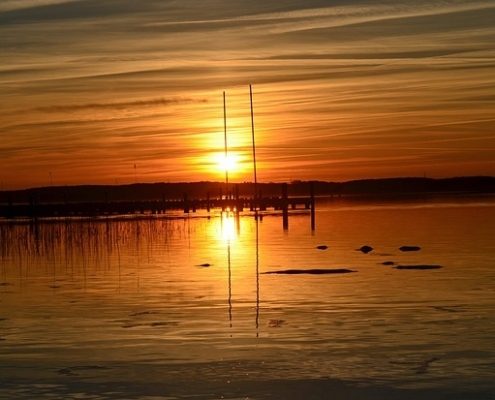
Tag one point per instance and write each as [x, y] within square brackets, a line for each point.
[229, 163]
[228, 227]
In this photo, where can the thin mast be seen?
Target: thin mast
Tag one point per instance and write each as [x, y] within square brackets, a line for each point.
[225, 144]
[254, 145]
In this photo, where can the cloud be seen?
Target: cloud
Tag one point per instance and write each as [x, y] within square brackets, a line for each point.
[120, 105]
[10, 5]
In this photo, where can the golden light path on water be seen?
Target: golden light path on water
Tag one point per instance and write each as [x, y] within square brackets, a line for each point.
[229, 227]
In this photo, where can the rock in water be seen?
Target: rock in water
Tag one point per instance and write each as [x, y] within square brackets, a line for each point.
[311, 271]
[322, 247]
[421, 266]
[365, 249]
[409, 248]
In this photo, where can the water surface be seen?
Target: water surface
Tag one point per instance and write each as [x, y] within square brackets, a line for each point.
[114, 309]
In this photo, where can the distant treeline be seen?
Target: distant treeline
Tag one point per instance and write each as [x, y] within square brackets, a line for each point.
[169, 191]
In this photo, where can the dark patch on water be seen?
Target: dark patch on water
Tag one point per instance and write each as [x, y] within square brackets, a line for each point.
[425, 365]
[5, 283]
[133, 325]
[409, 248]
[388, 263]
[163, 323]
[73, 371]
[322, 247]
[182, 386]
[451, 309]
[276, 323]
[421, 266]
[311, 271]
[365, 249]
[204, 265]
[139, 313]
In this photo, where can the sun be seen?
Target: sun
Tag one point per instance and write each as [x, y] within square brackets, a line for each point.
[229, 163]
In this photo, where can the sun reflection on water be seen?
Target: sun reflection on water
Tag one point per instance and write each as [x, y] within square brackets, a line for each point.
[229, 227]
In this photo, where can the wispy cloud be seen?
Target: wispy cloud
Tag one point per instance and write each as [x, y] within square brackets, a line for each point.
[10, 5]
[119, 105]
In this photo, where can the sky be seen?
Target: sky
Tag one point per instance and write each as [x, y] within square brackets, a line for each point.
[120, 91]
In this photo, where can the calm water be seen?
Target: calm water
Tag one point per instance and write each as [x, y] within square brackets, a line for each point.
[123, 309]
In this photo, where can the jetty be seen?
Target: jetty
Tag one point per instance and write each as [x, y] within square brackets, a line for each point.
[232, 202]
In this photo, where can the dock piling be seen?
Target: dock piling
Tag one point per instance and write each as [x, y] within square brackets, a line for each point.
[285, 207]
[186, 204]
[312, 204]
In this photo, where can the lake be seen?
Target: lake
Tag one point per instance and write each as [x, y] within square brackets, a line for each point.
[181, 307]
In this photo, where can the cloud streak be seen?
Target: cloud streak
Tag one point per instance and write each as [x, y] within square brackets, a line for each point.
[120, 105]
[10, 5]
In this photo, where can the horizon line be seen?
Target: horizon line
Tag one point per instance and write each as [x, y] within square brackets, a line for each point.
[293, 181]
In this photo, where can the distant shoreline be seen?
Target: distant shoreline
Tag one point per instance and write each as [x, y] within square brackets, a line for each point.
[363, 188]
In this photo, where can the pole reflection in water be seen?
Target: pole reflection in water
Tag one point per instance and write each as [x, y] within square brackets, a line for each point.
[230, 285]
[228, 234]
[257, 278]
[230, 231]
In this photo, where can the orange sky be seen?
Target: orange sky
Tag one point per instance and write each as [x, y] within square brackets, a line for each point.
[343, 89]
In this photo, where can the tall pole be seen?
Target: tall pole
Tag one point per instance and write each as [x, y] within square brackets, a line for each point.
[225, 144]
[254, 145]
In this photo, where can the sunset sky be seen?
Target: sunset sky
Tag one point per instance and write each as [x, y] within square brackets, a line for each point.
[119, 91]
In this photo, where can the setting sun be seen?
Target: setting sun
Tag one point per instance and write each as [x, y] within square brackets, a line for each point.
[229, 163]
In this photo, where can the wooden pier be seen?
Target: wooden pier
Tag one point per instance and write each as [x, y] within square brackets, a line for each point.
[231, 202]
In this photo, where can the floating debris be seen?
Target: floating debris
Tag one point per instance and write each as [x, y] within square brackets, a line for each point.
[311, 271]
[132, 325]
[322, 247]
[204, 265]
[66, 372]
[365, 249]
[276, 323]
[71, 371]
[421, 266]
[409, 248]
[423, 368]
[139, 313]
[451, 309]
[388, 263]
[160, 323]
